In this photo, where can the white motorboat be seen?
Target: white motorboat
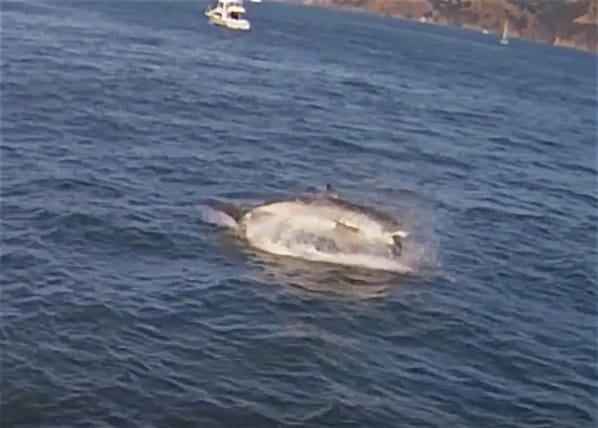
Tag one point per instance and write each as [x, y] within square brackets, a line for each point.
[228, 13]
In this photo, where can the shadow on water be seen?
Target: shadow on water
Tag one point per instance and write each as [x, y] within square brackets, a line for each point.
[327, 279]
[318, 277]
[311, 276]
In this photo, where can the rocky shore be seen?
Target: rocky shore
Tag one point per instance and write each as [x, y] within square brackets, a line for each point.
[568, 23]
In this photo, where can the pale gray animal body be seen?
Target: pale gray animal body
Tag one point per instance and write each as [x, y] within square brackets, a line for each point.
[335, 221]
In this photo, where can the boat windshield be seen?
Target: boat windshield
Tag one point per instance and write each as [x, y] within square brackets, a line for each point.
[230, 4]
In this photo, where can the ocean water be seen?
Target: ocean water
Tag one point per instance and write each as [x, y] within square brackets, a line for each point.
[122, 308]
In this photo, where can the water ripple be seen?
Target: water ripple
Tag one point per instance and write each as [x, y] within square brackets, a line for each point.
[121, 308]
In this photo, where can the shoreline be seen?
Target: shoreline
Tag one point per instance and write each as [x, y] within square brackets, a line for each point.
[560, 42]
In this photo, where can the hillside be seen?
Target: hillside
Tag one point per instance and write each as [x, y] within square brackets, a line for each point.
[571, 23]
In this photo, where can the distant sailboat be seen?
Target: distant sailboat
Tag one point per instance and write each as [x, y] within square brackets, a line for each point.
[504, 40]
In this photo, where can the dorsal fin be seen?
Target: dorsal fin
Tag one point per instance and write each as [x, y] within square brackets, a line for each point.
[331, 191]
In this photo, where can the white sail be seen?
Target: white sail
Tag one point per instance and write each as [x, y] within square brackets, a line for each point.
[504, 40]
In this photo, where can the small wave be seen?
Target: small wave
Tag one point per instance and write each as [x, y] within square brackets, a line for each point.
[80, 228]
[95, 187]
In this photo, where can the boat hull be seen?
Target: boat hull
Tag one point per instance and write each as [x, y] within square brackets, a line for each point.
[233, 24]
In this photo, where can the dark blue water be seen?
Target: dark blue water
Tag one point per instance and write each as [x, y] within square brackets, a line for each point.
[120, 308]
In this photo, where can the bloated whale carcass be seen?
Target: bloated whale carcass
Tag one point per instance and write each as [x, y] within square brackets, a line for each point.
[331, 224]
